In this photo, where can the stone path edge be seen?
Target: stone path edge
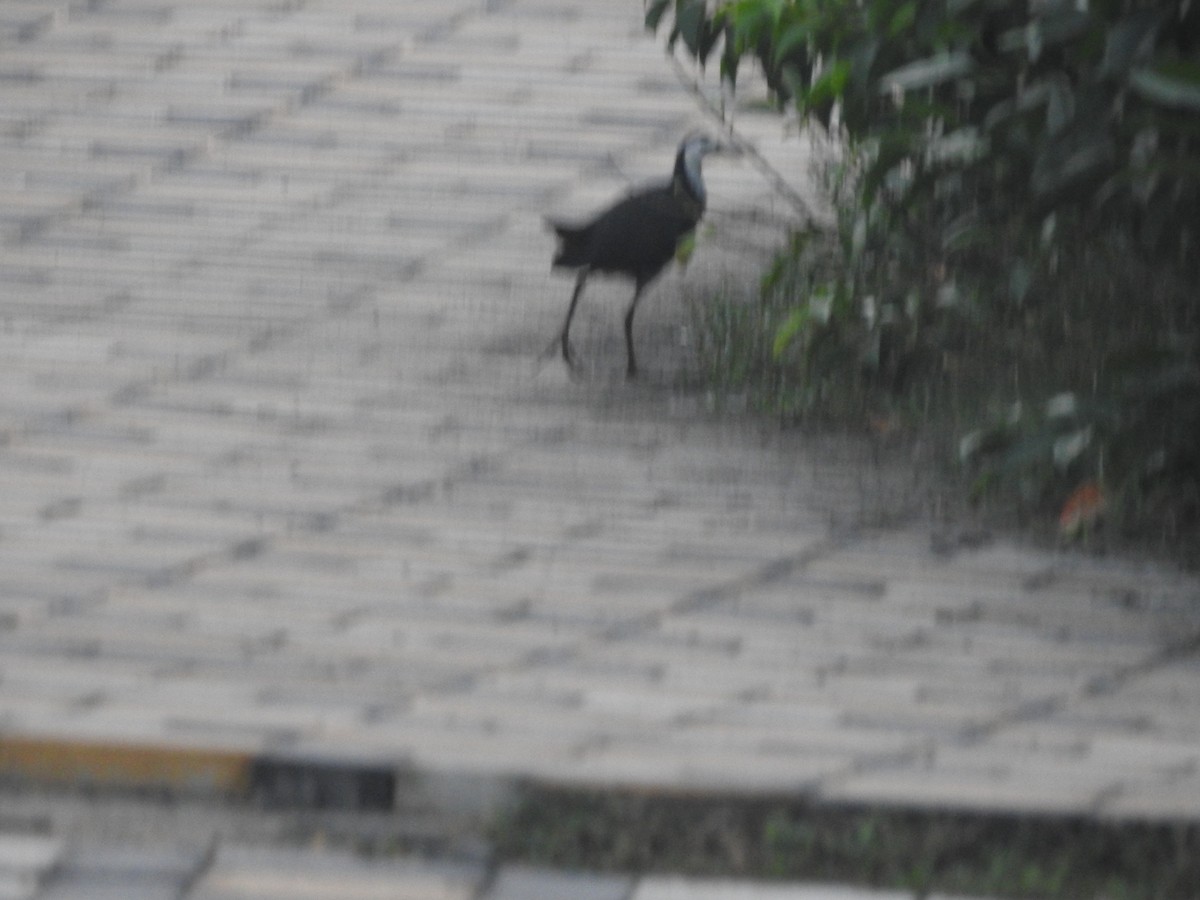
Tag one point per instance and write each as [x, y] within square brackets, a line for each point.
[281, 782]
[267, 778]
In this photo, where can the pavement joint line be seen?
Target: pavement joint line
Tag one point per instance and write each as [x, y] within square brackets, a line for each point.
[700, 599]
[709, 596]
[1032, 710]
[283, 779]
[203, 864]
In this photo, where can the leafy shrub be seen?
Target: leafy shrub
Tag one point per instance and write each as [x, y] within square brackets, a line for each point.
[990, 150]
[982, 107]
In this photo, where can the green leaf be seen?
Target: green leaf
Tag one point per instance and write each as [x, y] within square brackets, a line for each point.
[729, 64]
[795, 35]
[690, 22]
[708, 40]
[1020, 279]
[1027, 450]
[1062, 406]
[792, 82]
[1176, 85]
[1044, 31]
[964, 145]
[1077, 157]
[862, 55]
[796, 322]
[983, 441]
[927, 72]
[742, 33]
[1031, 96]
[970, 446]
[981, 486]
[654, 13]
[894, 148]
[685, 247]
[1130, 41]
[1063, 24]
[1069, 447]
[823, 301]
[1060, 109]
[830, 85]
[967, 232]
[903, 19]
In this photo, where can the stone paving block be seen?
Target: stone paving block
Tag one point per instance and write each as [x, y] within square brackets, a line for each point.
[88, 886]
[525, 883]
[978, 787]
[26, 861]
[109, 872]
[497, 756]
[649, 760]
[149, 859]
[265, 874]
[670, 888]
[76, 682]
[1135, 751]
[1172, 796]
[853, 745]
[14, 886]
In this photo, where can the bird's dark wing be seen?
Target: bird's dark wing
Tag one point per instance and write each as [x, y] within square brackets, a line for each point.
[573, 241]
[638, 235]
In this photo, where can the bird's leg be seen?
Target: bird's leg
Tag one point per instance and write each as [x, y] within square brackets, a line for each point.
[631, 360]
[563, 338]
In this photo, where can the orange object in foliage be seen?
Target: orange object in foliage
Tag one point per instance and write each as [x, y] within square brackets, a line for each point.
[1082, 510]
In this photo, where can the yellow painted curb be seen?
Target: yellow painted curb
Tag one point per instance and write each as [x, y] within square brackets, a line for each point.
[125, 765]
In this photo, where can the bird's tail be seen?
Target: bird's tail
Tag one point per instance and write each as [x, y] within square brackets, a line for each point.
[572, 244]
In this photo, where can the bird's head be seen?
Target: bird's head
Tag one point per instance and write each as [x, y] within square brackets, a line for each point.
[692, 151]
[698, 145]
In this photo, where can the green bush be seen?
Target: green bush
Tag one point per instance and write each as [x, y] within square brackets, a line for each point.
[1019, 221]
[987, 107]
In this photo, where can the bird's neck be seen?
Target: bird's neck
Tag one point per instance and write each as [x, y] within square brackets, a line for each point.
[687, 180]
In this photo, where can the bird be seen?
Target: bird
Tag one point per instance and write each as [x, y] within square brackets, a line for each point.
[635, 237]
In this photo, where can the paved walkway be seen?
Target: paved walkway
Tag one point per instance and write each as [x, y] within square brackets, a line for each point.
[40, 867]
[123, 849]
[283, 482]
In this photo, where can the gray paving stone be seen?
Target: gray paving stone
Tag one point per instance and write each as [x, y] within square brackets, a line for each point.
[27, 860]
[265, 874]
[124, 871]
[666, 888]
[16, 886]
[111, 887]
[525, 883]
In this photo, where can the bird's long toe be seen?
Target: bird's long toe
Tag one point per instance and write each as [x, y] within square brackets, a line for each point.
[568, 354]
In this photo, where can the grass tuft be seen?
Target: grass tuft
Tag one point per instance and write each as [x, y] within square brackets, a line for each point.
[969, 854]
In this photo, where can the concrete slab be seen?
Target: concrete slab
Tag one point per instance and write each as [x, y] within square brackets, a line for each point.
[695, 889]
[264, 874]
[26, 861]
[286, 477]
[523, 883]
